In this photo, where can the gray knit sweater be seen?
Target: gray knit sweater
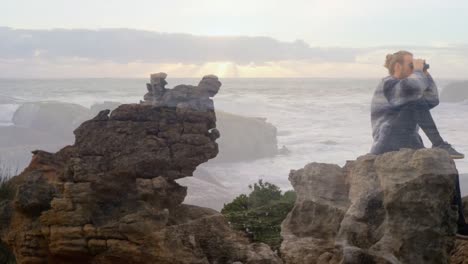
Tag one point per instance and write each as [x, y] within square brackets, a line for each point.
[391, 95]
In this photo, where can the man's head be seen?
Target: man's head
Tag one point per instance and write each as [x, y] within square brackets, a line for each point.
[399, 64]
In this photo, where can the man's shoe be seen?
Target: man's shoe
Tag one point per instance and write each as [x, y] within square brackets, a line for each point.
[462, 232]
[451, 151]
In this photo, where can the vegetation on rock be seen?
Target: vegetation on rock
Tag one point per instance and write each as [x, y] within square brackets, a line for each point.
[260, 213]
[6, 194]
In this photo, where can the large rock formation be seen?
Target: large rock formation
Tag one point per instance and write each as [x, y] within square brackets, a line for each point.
[45, 125]
[245, 138]
[391, 208]
[49, 126]
[455, 92]
[57, 118]
[111, 197]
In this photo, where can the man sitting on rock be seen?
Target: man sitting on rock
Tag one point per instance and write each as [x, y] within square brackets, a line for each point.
[401, 105]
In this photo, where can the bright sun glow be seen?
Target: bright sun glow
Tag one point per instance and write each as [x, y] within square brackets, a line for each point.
[220, 69]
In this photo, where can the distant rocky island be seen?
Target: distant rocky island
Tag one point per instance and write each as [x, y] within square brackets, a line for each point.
[112, 197]
[455, 92]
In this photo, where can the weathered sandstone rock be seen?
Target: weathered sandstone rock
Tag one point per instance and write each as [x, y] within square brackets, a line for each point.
[111, 197]
[390, 208]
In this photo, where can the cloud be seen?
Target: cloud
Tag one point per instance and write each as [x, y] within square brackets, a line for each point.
[77, 53]
[126, 45]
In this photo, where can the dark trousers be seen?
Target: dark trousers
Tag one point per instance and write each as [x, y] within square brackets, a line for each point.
[417, 113]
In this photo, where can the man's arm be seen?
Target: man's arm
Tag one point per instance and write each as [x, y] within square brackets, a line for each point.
[412, 88]
[431, 94]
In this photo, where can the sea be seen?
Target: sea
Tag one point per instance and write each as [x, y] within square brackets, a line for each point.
[317, 119]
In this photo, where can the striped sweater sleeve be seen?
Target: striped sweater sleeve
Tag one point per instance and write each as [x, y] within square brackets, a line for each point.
[416, 86]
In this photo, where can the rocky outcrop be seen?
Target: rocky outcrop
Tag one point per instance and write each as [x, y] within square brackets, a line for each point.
[455, 92]
[390, 208]
[245, 138]
[39, 125]
[51, 117]
[195, 97]
[111, 197]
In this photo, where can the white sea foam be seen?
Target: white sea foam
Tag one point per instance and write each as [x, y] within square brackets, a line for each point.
[6, 113]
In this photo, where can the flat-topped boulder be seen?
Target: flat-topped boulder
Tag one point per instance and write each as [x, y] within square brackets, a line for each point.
[390, 208]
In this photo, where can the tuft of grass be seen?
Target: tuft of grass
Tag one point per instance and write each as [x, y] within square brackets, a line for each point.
[6, 257]
[7, 192]
[6, 189]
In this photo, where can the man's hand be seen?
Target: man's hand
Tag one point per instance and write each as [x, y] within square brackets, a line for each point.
[418, 64]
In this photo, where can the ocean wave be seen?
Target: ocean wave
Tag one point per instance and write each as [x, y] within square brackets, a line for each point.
[5, 99]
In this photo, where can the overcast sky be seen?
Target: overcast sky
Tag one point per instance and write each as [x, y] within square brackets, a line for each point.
[261, 38]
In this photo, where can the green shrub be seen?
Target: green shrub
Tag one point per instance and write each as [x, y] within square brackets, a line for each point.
[263, 193]
[261, 212]
[239, 204]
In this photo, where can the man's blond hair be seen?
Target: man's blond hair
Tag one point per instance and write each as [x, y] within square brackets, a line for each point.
[392, 59]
